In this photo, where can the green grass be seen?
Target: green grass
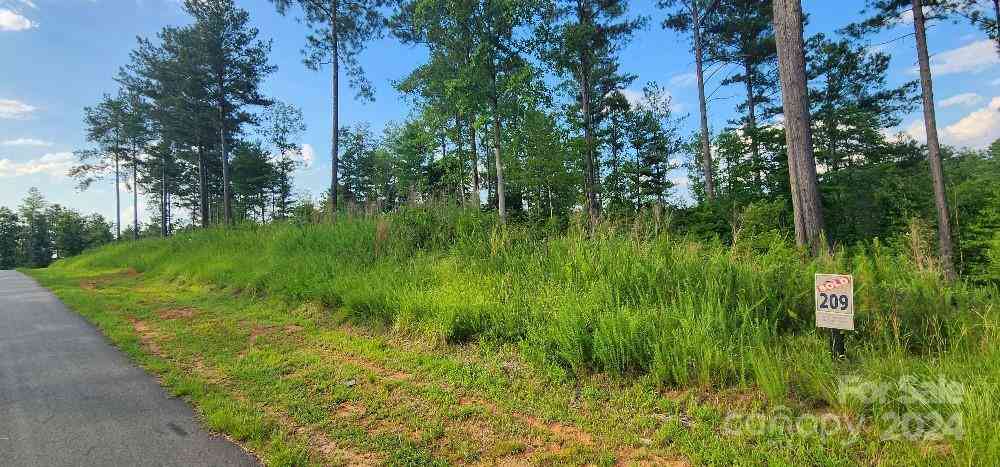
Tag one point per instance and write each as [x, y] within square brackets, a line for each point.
[649, 344]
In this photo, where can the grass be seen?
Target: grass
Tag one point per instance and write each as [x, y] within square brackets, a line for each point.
[436, 337]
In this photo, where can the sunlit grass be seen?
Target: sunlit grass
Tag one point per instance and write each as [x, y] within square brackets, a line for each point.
[674, 313]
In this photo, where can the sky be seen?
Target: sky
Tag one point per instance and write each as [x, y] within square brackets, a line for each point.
[58, 56]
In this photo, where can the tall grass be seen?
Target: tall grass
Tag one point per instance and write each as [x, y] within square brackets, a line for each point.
[630, 299]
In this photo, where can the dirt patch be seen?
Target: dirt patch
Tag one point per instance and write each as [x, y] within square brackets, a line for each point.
[100, 281]
[147, 336]
[177, 313]
[562, 431]
[261, 331]
[318, 441]
[350, 410]
[564, 435]
[376, 368]
[328, 447]
[544, 440]
[210, 374]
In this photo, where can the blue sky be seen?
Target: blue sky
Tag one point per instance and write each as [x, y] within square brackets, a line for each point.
[60, 55]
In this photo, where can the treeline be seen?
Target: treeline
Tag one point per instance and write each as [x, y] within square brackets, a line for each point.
[191, 127]
[38, 232]
[522, 108]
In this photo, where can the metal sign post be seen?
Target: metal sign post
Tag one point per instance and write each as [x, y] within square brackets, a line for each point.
[834, 295]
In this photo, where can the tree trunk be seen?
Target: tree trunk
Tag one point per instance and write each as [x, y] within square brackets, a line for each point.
[638, 185]
[227, 202]
[163, 196]
[335, 90]
[615, 162]
[706, 149]
[933, 146]
[501, 202]
[135, 195]
[495, 103]
[118, 202]
[798, 137]
[460, 154]
[202, 187]
[584, 17]
[593, 202]
[752, 125]
[588, 155]
[475, 165]
[491, 180]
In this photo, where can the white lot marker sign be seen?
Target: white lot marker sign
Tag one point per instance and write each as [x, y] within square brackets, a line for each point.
[835, 301]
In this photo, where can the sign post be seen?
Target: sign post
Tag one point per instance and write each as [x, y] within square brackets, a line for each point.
[835, 308]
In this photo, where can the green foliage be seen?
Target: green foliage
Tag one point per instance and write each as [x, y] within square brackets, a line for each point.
[357, 24]
[9, 232]
[36, 236]
[40, 232]
[975, 202]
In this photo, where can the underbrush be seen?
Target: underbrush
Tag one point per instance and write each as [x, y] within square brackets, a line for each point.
[631, 299]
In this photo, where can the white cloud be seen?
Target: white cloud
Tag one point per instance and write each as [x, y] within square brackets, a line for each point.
[56, 164]
[976, 130]
[308, 155]
[979, 128]
[635, 99]
[25, 142]
[681, 182]
[12, 109]
[975, 57]
[684, 79]
[12, 21]
[916, 130]
[995, 82]
[876, 49]
[966, 99]
[906, 17]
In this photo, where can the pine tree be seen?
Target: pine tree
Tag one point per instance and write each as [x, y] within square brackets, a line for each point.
[236, 63]
[583, 45]
[105, 127]
[851, 102]
[884, 14]
[807, 209]
[742, 34]
[338, 32]
[36, 234]
[10, 232]
[693, 16]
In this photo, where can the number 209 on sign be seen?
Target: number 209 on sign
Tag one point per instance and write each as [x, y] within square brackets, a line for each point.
[835, 301]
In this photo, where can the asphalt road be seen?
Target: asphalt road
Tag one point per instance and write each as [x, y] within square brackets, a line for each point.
[68, 398]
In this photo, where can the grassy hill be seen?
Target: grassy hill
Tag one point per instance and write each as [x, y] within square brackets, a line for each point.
[435, 336]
